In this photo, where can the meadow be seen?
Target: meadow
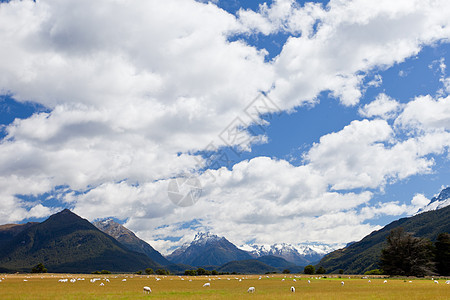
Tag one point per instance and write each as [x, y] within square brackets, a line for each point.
[48, 286]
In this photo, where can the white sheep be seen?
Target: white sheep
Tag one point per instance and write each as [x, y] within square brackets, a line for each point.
[292, 289]
[102, 284]
[385, 281]
[436, 281]
[207, 284]
[294, 280]
[342, 283]
[251, 289]
[147, 290]
[309, 281]
[447, 282]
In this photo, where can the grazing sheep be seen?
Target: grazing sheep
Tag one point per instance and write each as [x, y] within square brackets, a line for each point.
[294, 280]
[107, 280]
[251, 289]
[385, 281]
[436, 281]
[342, 283]
[282, 279]
[102, 284]
[147, 290]
[207, 284]
[158, 279]
[447, 282]
[292, 289]
[124, 279]
[370, 281]
[309, 281]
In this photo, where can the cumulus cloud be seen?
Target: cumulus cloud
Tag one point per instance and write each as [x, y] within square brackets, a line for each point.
[383, 106]
[132, 90]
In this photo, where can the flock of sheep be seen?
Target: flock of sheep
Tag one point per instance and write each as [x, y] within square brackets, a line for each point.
[147, 289]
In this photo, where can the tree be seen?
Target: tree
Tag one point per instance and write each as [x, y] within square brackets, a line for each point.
[149, 271]
[442, 246]
[309, 269]
[201, 271]
[321, 270]
[105, 272]
[374, 272]
[39, 268]
[190, 272]
[139, 272]
[161, 272]
[286, 271]
[407, 255]
[214, 272]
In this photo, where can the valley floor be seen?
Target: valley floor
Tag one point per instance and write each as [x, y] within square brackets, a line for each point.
[49, 286]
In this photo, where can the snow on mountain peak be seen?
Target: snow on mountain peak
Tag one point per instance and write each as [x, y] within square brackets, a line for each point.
[438, 202]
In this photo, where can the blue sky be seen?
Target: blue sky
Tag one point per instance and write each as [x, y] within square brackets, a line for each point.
[100, 118]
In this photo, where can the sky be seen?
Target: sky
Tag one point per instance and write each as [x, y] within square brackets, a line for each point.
[293, 121]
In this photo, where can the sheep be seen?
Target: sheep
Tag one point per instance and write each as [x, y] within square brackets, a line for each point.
[282, 279]
[342, 283]
[147, 290]
[207, 284]
[436, 281]
[158, 279]
[369, 281]
[294, 280]
[107, 280]
[292, 289]
[447, 282]
[124, 279]
[309, 281]
[385, 281]
[102, 284]
[73, 280]
[251, 289]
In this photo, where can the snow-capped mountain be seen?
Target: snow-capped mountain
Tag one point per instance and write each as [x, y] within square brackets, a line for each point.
[300, 254]
[441, 201]
[207, 249]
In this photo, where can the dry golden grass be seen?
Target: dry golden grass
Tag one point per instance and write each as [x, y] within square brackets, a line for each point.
[227, 287]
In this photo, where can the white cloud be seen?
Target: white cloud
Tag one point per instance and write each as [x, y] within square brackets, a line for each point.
[132, 89]
[383, 106]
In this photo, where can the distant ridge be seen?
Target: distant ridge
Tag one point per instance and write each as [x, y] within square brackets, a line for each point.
[127, 238]
[67, 243]
[208, 249]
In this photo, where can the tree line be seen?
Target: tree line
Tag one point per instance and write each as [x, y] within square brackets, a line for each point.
[407, 255]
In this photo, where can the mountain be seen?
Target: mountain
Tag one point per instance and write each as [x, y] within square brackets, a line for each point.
[441, 201]
[248, 266]
[276, 262]
[364, 255]
[127, 238]
[66, 242]
[301, 254]
[9, 231]
[207, 249]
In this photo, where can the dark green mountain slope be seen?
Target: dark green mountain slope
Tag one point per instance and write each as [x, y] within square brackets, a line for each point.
[9, 231]
[127, 238]
[365, 254]
[249, 266]
[67, 243]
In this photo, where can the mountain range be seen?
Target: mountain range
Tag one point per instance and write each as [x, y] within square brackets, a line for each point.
[66, 242]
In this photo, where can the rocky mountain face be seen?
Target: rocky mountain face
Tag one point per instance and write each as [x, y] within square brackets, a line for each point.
[66, 242]
[208, 249]
[127, 238]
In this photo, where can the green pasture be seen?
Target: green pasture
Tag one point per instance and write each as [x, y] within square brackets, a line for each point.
[222, 287]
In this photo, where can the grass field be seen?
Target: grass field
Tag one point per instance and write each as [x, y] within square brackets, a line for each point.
[222, 287]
